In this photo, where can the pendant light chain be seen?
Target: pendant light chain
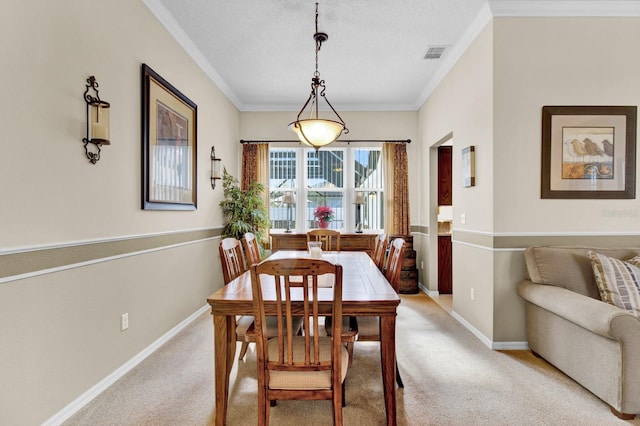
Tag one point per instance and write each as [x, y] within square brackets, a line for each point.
[314, 131]
[318, 43]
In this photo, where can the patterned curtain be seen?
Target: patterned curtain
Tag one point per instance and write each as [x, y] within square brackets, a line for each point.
[255, 168]
[396, 189]
[249, 164]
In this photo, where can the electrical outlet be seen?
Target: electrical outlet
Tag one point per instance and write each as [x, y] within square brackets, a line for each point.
[463, 218]
[124, 322]
[472, 293]
[422, 264]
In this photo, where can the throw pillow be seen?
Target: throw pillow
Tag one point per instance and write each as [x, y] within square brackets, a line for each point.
[618, 281]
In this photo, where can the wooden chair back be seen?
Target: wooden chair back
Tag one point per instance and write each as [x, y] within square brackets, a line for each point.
[330, 239]
[231, 258]
[288, 365]
[251, 248]
[380, 251]
[394, 263]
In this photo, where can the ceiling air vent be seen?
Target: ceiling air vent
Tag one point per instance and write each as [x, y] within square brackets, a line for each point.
[435, 52]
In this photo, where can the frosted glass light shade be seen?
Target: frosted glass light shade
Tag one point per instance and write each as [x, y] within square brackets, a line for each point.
[317, 132]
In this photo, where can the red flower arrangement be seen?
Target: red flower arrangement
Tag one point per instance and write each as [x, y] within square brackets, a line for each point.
[323, 214]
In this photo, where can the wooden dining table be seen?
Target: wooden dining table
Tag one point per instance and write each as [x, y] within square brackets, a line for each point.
[366, 292]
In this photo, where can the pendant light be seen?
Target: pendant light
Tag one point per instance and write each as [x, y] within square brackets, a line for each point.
[315, 131]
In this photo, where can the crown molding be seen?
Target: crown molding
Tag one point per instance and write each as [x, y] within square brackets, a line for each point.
[564, 8]
[165, 18]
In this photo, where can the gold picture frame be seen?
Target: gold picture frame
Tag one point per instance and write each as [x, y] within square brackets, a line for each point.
[169, 145]
[588, 152]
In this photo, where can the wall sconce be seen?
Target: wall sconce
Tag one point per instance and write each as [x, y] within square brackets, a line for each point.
[97, 121]
[359, 202]
[289, 200]
[216, 168]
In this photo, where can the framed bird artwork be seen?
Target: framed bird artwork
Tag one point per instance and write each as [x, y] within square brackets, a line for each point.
[588, 152]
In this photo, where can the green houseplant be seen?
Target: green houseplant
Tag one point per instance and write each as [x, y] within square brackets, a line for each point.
[244, 210]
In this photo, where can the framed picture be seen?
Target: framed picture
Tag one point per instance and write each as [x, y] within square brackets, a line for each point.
[588, 151]
[469, 166]
[169, 154]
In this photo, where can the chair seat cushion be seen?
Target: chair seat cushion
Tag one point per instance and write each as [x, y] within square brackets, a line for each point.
[618, 281]
[305, 380]
[243, 323]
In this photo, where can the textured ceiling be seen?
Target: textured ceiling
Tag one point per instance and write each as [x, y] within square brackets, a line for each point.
[261, 52]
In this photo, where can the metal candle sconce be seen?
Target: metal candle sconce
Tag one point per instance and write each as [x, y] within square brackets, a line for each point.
[216, 166]
[97, 121]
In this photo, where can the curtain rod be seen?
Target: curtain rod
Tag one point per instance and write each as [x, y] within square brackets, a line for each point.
[242, 141]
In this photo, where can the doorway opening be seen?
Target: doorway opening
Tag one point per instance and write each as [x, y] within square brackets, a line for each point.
[441, 201]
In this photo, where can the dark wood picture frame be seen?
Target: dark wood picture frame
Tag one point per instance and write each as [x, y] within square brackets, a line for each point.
[588, 152]
[169, 145]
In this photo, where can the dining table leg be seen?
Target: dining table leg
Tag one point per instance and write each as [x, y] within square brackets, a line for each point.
[388, 360]
[224, 354]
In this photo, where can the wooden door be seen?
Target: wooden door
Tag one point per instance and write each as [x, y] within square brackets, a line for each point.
[445, 269]
[445, 197]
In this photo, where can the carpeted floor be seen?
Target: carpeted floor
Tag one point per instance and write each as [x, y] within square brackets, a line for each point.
[450, 378]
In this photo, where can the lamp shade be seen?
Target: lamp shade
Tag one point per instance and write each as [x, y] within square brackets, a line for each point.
[288, 198]
[317, 132]
[359, 197]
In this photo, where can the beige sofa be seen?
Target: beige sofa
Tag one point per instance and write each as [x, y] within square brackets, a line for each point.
[595, 343]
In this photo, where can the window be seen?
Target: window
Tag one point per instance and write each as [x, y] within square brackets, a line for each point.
[330, 177]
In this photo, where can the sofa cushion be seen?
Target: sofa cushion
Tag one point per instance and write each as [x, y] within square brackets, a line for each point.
[569, 267]
[618, 281]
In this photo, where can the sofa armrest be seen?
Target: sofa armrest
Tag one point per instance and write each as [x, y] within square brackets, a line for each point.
[591, 314]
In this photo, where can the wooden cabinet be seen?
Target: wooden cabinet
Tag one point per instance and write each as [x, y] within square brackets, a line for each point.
[348, 242]
[445, 273]
[409, 272]
[445, 197]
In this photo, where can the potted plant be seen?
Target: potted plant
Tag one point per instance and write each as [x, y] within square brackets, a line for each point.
[244, 210]
[323, 215]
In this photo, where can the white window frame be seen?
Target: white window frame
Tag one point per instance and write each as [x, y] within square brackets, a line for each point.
[348, 191]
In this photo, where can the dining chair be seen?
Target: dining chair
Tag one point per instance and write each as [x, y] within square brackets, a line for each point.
[309, 367]
[369, 327]
[233, 265]
[327, 237]
[380, 251]
[251, 248]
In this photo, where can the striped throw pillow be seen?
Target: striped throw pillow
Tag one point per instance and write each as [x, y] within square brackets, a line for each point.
[618, 281]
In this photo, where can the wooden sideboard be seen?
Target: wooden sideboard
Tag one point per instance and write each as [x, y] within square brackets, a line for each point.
[348, 242]
[358, 242]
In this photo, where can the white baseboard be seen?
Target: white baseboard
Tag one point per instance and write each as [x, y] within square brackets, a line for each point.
[497, 346]
[102, 385]
[511, 346]
[431, 293]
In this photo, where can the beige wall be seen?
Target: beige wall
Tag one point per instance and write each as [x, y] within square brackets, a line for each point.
[61, 328]
[552, 61]
[462, 105]
[493, 99]
[557, 61]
